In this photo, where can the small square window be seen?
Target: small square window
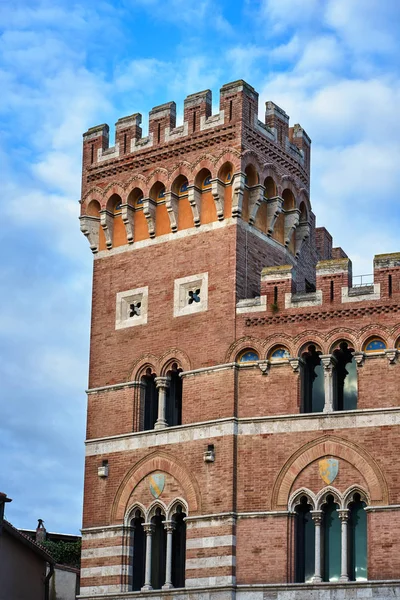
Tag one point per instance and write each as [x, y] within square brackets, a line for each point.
[191, 294]
[131, 308]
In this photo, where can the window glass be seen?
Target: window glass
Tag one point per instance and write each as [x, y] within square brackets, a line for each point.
[332, 541]
[358, 541]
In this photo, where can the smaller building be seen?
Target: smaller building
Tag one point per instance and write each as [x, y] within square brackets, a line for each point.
[26, 568]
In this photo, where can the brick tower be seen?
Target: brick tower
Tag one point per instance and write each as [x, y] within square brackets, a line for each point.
[243, 429]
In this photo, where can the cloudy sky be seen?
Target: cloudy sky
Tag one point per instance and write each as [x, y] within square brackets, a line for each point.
[333, 65]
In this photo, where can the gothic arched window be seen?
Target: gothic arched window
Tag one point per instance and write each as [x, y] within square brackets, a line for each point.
[313, 381]
[150, 400]
[346, 377]
[178, 548]
[174, 397]
[331, 540]
[158, 550]
[305, 544]
[357, 540]
[139, 553]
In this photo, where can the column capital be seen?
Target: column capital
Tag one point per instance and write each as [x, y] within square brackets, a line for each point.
[316, 516]
[344, 514]
[169, 525]
[359, 357]
[162, 382]
[328, 362]
[296, 364]
[149, 528]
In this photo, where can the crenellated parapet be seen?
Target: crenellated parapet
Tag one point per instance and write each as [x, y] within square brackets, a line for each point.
[334, 289]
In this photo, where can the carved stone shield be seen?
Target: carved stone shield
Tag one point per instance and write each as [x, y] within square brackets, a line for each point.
[156, 483]
[328, 469]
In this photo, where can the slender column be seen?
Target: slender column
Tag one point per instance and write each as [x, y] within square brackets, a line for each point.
[149, 529]
[317, 518]
[169, 526]
[344, 518]
[328, 363]
[162, 384]
[127, 570]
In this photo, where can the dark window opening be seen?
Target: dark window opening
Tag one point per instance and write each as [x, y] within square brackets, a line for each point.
[150, 401]
[313, 381]
[390, 285]
[174, 397]
[357, 540]
[305, 543]
[92, 154]
[346, 378]
[125, 138]
[194, 120]
[158, 551]
[332, 539]
[230, 110]
[275, 294]
[139, 554]
[134, 309]
[178, 548]
[332, 291]
[310, 287]
[158, 132]
[194, 296]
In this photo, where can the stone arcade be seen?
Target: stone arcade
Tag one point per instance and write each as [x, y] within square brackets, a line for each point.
[243, 430]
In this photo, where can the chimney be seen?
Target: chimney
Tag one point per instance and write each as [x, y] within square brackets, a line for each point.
[41, 532]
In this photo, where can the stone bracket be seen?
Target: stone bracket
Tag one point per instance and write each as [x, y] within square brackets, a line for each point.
[256, 196]
[171, 202]
[302, 234]
[107, 223]
[194, 197]
[292, 218]
[149, 211]
[238, 185]
[218, 192]
[274, 209]
[90, 229]
[127, 217]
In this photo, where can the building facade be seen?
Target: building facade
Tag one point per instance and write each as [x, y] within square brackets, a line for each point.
[243, 427]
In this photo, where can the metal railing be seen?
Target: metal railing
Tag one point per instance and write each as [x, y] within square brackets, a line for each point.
[361, 280]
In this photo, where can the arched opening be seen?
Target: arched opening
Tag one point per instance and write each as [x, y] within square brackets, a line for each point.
[331, 540]
[304, 542]
[139, 551]
[247, 356]
[374, 344]
[180, 189]
[270, 188]
[346, 377]
[313, 388]
[278, 353]
[93, 209]
[288, 200]
[174, 397]
[135, 199]
[208, 212]
[158, 550]
[150, 400]
[225, 174]
[357, 540]
[114, 205]
[178, 548]
[157, 194]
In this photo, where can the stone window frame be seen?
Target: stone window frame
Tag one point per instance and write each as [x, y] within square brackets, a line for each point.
[123, 301]
[182, 287]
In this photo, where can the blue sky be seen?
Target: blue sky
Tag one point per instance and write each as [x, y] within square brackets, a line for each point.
[333, 65]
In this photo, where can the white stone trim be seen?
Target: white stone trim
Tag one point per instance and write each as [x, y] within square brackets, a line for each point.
[102, 533]
[376, 295]
[123, 300]
[171, 135]
[141, 143]
[215, 520]
[104, 571]
[108, 154]
[97, 590]
[212, 369]
[182, 287]
[382, 508]
[315, 301]
[213, 121]
[107, 551]
[169, 435]
[352, 419]
[211, 581]
[257, 304]
[216, 541]
[210, 562]
[113, 386]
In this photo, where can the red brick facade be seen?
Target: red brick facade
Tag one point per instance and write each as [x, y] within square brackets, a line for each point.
[222, 205]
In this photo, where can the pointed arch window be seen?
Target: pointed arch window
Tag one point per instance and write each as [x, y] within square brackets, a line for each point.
[304, 544]
[346, 377]
[313, 381]
[331, 540]
[357, 540]
[174, 397]
[178, 548]
[150, 400]
[158, 550]
[139, 545]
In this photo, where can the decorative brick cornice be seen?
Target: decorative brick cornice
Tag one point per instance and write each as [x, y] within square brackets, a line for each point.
[323, 315]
